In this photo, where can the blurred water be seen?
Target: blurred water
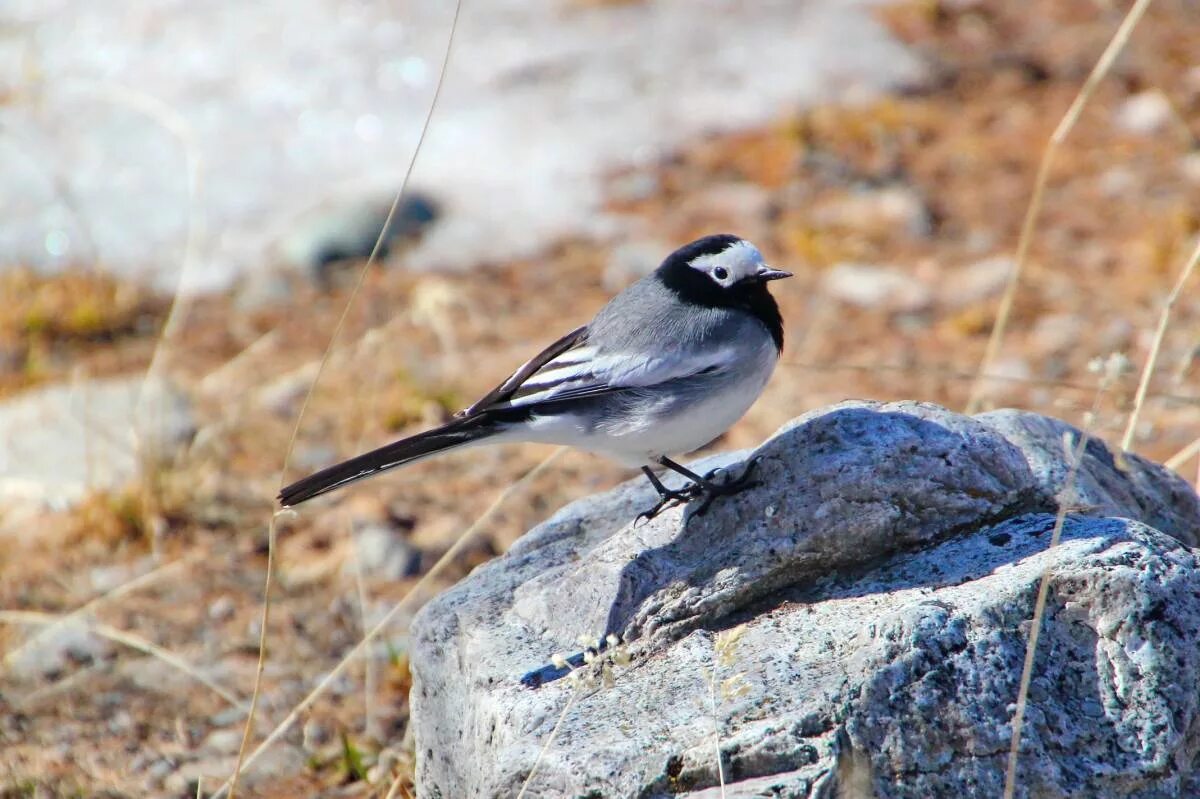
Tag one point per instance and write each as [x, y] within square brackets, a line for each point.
[285, 103]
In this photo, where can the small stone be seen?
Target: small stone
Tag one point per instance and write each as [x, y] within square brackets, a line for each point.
[1055, 333]
[1145, 113]
[225, 742]
[160, 768]
[105, 578]
[53, 649]
[976, 282]
[223, 718]
[876, 288]
[345, 230]
[383, 553]
[314, 735]
[1118, 181]
[120, 722]
[221, 609]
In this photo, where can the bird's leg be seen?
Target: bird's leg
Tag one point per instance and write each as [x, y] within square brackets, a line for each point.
[667, 497]
[710, 489]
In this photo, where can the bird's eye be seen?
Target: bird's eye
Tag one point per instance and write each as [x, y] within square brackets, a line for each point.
[720, 273]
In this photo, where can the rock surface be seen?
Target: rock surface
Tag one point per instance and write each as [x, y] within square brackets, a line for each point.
[853, 626]
[57, 443]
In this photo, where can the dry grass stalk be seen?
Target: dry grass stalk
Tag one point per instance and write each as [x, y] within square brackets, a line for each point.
[262, 655]
[1183, 456]
[130, 640]
[403, 604]
[575, 692]
[370, 675]
[91, 605]
[341, 323]
[1164, 320]
[1075, 452]
[1065, 125]
[724, 649]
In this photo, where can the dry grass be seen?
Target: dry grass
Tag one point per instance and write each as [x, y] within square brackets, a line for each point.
[1117, 218]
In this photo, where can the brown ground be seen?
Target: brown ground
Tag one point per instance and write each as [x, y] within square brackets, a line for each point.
[927, 183]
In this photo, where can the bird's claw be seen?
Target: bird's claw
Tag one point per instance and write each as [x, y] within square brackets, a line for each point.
[710, 490]
[671, 499]
[743, 481]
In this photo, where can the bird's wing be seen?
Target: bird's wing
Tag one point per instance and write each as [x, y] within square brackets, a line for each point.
[572, 369]
[502, 393]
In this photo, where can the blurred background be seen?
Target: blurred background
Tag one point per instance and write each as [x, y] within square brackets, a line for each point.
[189, 193]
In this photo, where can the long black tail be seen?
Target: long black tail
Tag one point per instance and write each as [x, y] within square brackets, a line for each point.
[448, 436]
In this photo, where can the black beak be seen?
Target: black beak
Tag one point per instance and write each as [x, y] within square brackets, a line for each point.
[766, 273]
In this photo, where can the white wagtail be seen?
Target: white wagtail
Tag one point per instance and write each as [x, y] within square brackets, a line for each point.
[666, 366]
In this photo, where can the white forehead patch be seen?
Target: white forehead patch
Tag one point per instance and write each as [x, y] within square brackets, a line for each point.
[740, 259]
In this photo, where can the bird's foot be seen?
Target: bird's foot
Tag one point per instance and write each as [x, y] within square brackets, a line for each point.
[670, 498]
[711, 489]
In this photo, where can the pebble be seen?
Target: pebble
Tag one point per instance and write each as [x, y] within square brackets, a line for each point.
[221, 609]
[225, 742]
[976, 282]
[876, 288]
[54, 648]
[383, 553]
[223, 718]
[1145, 113]
[314, 735]
[1055, 333]
[348, 229]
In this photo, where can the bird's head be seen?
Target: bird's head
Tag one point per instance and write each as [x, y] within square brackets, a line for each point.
[718, 265]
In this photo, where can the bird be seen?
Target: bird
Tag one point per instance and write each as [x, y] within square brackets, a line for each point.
[667, 366]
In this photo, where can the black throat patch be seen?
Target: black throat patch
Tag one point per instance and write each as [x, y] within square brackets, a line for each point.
[693, 286]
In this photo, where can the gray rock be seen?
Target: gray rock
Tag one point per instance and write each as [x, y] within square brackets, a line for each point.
[853, 626]
[1130, 486]
[53, 650]
[347, 230]
[57, 443]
